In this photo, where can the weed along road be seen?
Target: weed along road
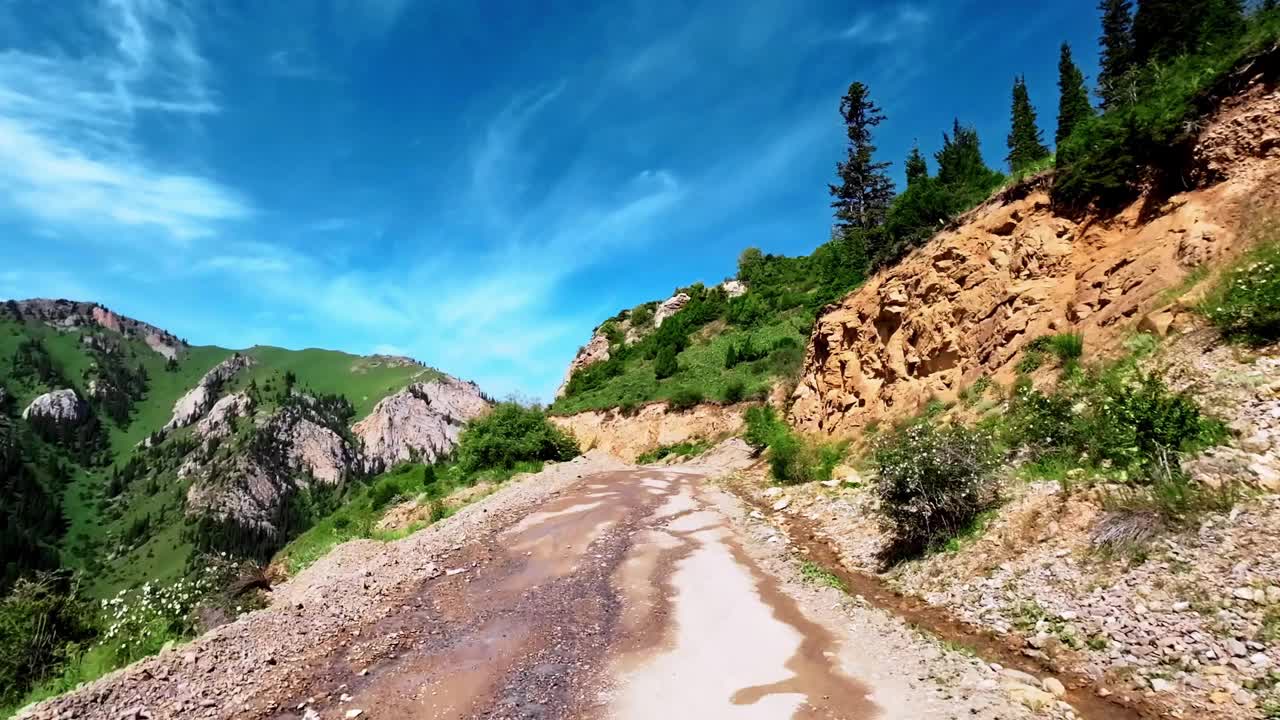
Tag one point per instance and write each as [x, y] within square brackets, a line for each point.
[632, 594]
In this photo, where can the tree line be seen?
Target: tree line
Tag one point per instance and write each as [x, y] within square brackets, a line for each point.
[880, 224]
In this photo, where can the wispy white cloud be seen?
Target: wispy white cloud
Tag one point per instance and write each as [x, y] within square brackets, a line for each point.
[68, 151]
[887, 25]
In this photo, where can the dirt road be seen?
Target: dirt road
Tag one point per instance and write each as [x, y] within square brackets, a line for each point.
[629, 596]
[594, 591]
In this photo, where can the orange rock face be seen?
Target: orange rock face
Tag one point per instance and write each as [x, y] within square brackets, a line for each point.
[965, 304]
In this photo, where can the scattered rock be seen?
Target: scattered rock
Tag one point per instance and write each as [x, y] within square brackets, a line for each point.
[62, 407]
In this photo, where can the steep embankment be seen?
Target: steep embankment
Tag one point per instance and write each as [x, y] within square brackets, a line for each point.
[964, 305]
[652, 426]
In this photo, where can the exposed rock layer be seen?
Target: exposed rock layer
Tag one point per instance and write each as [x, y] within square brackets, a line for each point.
[70, 313]
[424, 419]
[965, 304]
[651, 427]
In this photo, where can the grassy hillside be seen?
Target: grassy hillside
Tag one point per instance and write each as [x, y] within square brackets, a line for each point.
[362, 380]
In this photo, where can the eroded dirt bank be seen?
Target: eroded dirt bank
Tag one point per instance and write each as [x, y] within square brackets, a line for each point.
[597, 591]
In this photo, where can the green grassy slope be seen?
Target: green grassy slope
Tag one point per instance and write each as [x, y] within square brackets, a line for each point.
[363, 380]
[95, 522]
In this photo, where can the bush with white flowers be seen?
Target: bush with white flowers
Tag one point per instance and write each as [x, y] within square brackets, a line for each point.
[1245, 304]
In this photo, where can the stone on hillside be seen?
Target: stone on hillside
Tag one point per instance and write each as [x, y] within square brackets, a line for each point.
[217, 423]
[669, 307]
[1032, 697]
[424, 419]
[63, 407]
[734, 288]
[191, 406]
[1054, 686]
[596, 350]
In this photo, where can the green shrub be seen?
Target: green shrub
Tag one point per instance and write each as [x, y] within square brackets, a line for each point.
[933, 481]
[734, 392]
[642, 316]
[1067, 347]
[383, 492]
[44, 624]
[665, 364]
[689, 448]
[1245, 303]
[1117, 415]
[762, 425]
[684, 398]
[511, 434]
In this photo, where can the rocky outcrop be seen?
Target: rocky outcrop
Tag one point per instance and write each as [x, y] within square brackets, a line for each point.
[734, 288]
[965, 304]
[669, 307]
[218, 423]
[596, 350]
[251, 486]
[62, 407]
[424, 419]
[71, 314]
[191, 406]
[650, 427]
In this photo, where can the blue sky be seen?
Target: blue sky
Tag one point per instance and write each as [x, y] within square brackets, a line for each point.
[473, 184]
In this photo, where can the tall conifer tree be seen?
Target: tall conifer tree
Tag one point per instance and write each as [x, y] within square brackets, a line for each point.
[1115, 58]
[916, 167]
[1073, 98]
[862, 198]
[1026, 143]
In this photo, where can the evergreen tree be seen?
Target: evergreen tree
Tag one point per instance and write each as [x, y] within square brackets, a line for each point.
[917, 168]
[1073, 99]
[1115, 58]
[862, 198]
[960, 159]
[1164, 29]
[1026, 144]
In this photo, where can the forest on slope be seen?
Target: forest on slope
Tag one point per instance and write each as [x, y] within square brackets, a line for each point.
[1162, 67]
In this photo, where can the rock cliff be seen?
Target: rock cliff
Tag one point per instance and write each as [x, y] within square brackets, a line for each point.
[199, 399]
[289, 451]
[651, 427]
[424, 420]
[70, 313]
[965, 304]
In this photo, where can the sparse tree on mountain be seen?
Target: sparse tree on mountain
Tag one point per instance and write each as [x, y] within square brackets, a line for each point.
[1073, 98]
[1115, 58]
[1026, 143]
[1163, 29]
[862, 198]
[916, 167]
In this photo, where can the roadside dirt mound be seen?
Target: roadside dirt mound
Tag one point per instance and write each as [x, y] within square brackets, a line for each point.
[965, 304]
[651, 427]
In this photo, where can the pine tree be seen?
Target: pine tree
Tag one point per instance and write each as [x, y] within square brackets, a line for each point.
[1164, 29]
[1073, 99]
[960, 159]
[1026, 143]
[862, 198]
[916, 167]
[1115, 58]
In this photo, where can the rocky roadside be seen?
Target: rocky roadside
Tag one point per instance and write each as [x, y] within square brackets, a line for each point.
[1189, 624]
[233, 669]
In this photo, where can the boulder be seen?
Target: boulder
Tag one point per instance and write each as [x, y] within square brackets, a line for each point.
[63, 407]
[734, 288]
[424, 419]
[669, 307]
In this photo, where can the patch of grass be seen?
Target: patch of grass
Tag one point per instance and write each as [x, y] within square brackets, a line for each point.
[815, 573]
[362, 380]
[1245, 303]
[1270, 632]
[689, 448]
[793, 458]
[972, 532]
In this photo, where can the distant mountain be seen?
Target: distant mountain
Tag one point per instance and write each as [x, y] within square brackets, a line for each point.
[126, 449]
